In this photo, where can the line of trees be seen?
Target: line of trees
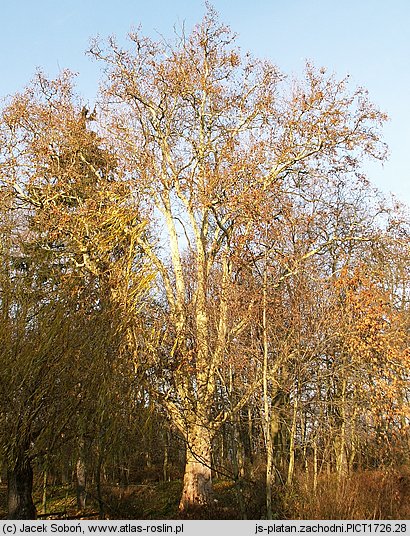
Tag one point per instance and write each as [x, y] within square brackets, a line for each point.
[198, 266]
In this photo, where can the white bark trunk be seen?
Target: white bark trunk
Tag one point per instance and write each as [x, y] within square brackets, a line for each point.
[197, 489]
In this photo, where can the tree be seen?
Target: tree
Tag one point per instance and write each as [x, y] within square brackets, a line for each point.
[72, 276]
[210, 138]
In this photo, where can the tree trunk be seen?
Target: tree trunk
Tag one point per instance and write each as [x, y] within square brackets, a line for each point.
[98, 487]
[340, 444]
[20, 488]
[81, 477]
[314, 466]
[44, 501]
[291, 466]
[165, 465]
[197, 488]
[267, 413]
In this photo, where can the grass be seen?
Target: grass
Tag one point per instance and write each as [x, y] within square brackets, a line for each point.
[377, 494]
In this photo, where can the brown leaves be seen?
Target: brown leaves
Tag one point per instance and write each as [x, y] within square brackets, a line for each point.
[376, 342]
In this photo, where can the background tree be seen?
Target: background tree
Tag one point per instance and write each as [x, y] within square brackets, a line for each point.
[75, 273]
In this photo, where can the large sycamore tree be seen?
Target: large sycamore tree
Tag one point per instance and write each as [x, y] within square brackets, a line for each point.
[217, 143]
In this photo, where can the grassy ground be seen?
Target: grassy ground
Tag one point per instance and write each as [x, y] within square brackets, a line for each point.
[366, 495]
[143, 501]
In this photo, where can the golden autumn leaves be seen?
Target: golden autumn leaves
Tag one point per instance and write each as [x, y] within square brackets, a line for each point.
[376, 339]
[213, 213]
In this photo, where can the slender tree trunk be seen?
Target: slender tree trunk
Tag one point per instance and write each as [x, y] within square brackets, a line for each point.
[353, 442]
[98, 486]
[291, 467]
[20, 489]
[250, 436]
[81, 477]
[270, 475]
[165, 465]
[341, 461]
[238, 466]
[314, 466]
[44, 501]
[197, 487]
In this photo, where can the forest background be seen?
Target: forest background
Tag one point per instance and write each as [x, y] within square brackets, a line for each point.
[200, 285]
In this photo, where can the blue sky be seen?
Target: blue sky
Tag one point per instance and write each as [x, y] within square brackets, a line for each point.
[368, 39]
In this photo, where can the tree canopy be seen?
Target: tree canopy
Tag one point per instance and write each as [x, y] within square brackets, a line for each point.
[202, 252]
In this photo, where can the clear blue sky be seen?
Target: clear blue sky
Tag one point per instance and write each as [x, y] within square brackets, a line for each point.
[369, 39]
